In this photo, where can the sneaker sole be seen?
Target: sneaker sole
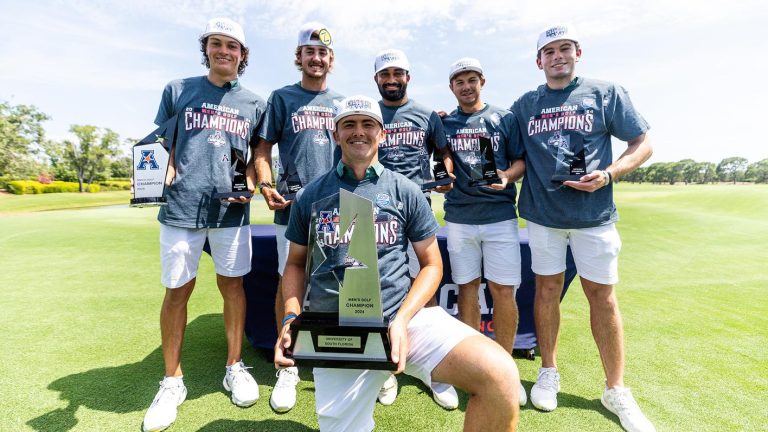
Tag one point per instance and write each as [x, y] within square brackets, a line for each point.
[280, 410]
[445, 406]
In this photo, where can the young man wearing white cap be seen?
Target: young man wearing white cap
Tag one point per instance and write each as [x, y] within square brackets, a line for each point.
[299, 120]
[482, 220]
[564, 116]
[216, 114]
[427, 343]
[413, 134]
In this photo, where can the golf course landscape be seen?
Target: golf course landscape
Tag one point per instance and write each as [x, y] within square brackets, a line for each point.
[80, 296]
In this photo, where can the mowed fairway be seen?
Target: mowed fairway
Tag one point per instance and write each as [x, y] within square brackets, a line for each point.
[80, 298]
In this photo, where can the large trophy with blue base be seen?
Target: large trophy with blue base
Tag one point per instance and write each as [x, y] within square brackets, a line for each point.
[355, 337]
[151, 156]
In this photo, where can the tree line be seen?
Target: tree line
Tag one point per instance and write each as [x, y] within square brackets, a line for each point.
[731, 169]
[25, 152]
[94, 155]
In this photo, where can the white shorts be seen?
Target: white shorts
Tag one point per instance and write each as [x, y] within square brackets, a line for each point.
[345, 398]
[180, 250]
[283, 244]
[595, 251]
[493, 247]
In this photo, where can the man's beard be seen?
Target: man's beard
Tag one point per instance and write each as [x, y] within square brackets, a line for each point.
[393, 95]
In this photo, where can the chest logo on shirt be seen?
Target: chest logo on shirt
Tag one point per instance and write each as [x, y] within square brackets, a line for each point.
[395, 154]
[565, 117]
[558, 140]
[219, 118]
[403, 133]
[326, 226]
[216, 139]
[315, 117]
[382, 200]
[320, 139]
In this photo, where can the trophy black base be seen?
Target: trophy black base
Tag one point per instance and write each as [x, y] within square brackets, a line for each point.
[559, 178]
[289, 196]
[225, 195]
[431, 185]
[319, 341]
[148, 202]
[484, 182]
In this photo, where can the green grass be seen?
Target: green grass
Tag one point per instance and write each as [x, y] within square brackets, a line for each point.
[80, 296]
[10, 204]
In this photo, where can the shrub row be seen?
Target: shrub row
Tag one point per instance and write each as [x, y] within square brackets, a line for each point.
[112, 185]
[21, 187]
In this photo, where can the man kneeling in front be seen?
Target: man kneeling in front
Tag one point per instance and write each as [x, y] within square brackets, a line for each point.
[427, 343]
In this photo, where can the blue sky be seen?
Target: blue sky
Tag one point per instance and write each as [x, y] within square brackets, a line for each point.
[688, 65]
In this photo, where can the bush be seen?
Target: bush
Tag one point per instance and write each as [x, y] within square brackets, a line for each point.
[111, 185]
[23, 187]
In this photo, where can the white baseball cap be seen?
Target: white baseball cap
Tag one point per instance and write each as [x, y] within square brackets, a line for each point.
[324, 36]
[391, 58]
[556, 33]
[358, 105]
[463, 65]
[226, 27]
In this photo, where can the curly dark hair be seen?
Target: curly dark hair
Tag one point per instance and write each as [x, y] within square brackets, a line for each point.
[240, 67]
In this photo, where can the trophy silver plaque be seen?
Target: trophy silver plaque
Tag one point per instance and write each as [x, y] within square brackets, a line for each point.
[355, 337]
[483, 172]
[151, 156]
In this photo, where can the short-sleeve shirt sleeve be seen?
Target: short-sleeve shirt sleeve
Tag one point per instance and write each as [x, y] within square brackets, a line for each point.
[623, 121]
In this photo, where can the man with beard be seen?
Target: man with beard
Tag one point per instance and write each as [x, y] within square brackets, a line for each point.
[567, 114]
[299, 119]
[413, 134]
[200, 164]
[482, 220]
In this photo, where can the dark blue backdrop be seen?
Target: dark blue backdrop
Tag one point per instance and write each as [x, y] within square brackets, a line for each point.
[261, 285]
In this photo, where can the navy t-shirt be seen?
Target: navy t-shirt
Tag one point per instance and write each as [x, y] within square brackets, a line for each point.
[300, 121]
[477, 205]
[414, 132]
[587, 112]
[401, 214]
[212, 121]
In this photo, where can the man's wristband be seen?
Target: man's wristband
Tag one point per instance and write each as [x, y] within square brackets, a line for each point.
[263, 185]
[288, 317]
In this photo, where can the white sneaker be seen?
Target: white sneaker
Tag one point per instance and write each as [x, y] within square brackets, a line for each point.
[162, 412]
[388, 391]
[619, 401]
[245, 391]
[544, 392]
[444, 395]
[284, 394]
[523, 396]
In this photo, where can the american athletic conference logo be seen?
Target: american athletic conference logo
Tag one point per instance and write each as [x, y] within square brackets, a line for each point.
[148, 158]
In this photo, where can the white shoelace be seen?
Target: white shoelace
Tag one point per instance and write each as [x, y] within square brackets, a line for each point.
[241, 374]
[169, 393]
[548, 380]
[623, 402]
[286, 378]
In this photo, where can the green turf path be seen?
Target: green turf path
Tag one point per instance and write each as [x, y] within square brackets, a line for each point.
[80, 297]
